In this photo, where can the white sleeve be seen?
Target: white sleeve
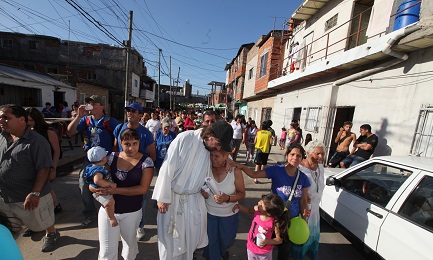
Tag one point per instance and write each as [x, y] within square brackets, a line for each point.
[163, 188]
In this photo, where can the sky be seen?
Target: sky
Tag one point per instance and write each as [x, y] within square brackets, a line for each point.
[200, 37]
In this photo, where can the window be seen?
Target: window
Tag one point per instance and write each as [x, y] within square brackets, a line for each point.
[6, 43]
[33, 45]
[419, 205]
[376, 183]
[87, 51]
[423, 137]
[263, 65]
[312, 121]
[83, 98]
[331, 22]
[91, 75]
[251, 73]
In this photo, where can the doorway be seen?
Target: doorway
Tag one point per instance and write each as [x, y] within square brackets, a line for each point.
[58, 97]
[342, 115]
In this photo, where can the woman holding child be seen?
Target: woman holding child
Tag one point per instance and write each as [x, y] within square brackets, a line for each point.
[222, 222]
[132, 172]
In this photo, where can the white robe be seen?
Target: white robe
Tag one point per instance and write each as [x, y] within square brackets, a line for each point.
[183, 228]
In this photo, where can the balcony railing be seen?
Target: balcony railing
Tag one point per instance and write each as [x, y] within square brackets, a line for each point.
[327, 49]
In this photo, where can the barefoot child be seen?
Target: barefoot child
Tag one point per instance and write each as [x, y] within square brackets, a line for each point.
[270, 218]
[97, 176]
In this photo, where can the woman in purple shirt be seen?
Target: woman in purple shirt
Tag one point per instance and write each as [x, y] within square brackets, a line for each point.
[132, 172]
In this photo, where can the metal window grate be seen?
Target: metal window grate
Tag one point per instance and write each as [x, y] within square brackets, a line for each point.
[423, 137]
[312, 121]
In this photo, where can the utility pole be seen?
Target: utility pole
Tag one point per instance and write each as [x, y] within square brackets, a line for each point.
[177, 85]
[159, 74]
[128, 53]
[170, 85]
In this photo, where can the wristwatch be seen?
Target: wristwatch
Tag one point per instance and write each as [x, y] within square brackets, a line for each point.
[35, 193]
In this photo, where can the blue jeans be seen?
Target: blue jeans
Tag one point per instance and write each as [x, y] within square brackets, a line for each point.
[352, 160]
[86, 195]
[221, 232]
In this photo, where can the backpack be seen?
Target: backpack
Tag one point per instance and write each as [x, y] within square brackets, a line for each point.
[106, 125]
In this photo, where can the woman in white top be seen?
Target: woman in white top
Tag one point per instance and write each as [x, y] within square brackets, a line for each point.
[312, 166]
[238, 130]
[222, 222]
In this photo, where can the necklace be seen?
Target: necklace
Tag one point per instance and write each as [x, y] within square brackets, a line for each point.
[315, 174]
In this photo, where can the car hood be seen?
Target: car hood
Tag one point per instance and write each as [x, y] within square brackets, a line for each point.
[332, 171]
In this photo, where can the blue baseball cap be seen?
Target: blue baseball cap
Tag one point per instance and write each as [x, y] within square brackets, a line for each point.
[135, 106]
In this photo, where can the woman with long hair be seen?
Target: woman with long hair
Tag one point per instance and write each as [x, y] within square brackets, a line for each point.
[38, 124]
[283, 179]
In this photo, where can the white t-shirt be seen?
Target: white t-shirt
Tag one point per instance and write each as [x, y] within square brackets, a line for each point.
[153, 125]
[65, 112]
[237, 130]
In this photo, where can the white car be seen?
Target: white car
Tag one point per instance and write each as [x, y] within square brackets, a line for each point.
[384, 204]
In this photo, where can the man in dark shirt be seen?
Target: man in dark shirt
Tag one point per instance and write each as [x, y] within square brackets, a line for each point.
[25, 162]
[362, 149]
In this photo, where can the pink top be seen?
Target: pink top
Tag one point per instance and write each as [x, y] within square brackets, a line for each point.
[259, 226]
[283, 135]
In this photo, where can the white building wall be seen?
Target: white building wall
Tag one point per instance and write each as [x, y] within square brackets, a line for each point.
[255, 109]
[314, 28]
[250, 83]
[389, 101]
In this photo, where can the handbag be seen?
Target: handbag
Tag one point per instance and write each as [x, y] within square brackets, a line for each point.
[289, 200]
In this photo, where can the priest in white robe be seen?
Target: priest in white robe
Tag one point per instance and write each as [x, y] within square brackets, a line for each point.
[182, 216]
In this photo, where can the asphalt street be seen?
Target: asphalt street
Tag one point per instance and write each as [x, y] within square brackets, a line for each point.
[82, 243]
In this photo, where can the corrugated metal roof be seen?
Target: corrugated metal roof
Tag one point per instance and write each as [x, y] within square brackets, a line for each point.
[14, 73]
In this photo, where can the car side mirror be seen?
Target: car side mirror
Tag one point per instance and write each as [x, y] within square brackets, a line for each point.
[332, 181]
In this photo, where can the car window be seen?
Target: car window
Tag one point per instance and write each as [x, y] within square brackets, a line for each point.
[418, 207]
[376, 183]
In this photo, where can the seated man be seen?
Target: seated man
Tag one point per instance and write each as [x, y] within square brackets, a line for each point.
[362, 149]
[343, 139]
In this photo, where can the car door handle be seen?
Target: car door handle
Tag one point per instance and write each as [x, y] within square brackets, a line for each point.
[374, 213]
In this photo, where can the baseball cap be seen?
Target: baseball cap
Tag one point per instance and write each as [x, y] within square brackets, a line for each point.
[96, 154]
[96, 99]
[224, 132]
[200, 114]
[135, 106]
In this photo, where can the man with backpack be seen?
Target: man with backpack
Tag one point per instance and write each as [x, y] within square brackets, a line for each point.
[98, 129]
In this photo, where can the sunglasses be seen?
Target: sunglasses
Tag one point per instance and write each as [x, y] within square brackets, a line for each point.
[209, 121]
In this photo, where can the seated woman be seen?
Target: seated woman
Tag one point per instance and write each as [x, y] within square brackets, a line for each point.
[222, 222]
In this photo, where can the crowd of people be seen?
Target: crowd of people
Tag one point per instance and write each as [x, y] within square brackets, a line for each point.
[185, 150]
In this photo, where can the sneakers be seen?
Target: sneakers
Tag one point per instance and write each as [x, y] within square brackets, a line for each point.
[140, 233]
[86, 222]
[50, 242]
[28, 233]
[58, 209]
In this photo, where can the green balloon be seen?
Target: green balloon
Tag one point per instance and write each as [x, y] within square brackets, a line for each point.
[298, 231]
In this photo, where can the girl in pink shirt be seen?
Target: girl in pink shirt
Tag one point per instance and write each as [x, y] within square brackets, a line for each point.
[270, 217]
